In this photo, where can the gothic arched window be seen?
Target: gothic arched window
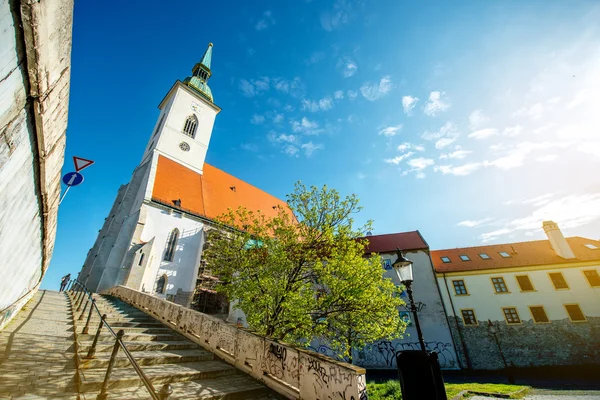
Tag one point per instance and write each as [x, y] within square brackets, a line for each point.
[171, 243]
[161, 285]
[189, 128]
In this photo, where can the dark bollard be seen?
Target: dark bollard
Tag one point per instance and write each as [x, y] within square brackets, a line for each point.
[84, 308]
[103, 395]
[92, 349]
[87, 323]
[165, 391]
[420, 376]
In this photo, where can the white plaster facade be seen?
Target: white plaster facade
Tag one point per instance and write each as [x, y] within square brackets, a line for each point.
[35, 54]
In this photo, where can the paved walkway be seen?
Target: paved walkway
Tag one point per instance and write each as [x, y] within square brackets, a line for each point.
[554, 395]
[37, 352]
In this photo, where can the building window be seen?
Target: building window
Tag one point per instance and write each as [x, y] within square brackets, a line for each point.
[539, 314]
[525, 283]
[592, 277]
[161, 285]
[459, 287]
[141, 259]
[484, 256]
[469, 317]
[445, 259]
[189, 128]
[558, 280]
[575, 313]
[591, 246]
[465, 258]
[504, 254]
[171, 244]
[499, 285]
[511, 315]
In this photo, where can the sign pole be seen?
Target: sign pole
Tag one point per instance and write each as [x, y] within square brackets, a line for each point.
[64, 194]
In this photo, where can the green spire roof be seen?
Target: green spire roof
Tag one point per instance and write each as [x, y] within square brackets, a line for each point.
[207, 57]
[200, 74]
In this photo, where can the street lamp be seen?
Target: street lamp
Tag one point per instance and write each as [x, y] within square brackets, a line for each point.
[404, 270]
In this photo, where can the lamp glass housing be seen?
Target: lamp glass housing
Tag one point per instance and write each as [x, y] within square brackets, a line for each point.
[403, 268]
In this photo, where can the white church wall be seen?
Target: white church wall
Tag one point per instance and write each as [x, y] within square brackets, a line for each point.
[33, 120]
[181, 272]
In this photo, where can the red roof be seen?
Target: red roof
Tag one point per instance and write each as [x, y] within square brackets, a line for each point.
[392, 241]
[210, 194]
[522, 254]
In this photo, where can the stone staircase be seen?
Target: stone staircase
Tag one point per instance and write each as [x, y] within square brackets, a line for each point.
[164, 355]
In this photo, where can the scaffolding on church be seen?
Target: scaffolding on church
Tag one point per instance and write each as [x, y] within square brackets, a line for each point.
[206, 298]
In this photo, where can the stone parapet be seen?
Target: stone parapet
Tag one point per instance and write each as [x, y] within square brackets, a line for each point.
[293, 372]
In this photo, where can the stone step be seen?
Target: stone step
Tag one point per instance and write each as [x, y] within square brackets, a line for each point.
[91, 379]
[107, 346]
[125, 324]
[101, 360]
[131, 337]
[127, 329]
[228, 386]
[96, 319]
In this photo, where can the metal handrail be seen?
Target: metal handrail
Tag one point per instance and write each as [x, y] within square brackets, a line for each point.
[166, 389]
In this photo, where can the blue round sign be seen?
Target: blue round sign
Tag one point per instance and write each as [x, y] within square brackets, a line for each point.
[72, 179]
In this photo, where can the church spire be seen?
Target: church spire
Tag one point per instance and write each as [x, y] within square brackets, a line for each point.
[200, 74]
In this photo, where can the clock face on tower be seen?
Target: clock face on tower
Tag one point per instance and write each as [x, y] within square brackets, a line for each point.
[184, 146]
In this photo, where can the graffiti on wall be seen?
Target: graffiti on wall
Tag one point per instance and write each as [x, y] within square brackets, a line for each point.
[382, 354]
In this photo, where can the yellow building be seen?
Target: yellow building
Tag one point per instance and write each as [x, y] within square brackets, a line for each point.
[525, 304]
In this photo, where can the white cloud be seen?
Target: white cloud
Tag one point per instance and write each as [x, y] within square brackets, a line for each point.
[389, 131]
[348, 67]
[516, 156]
[512, 131]
[571, 211]
[447, 135]
[360, 175]
[539, 200]
[477, 119]
[306, 126]
[483, 133]
[420, 175]
[374, 91]
[534, 112]
[291, 150]
[420, 163]
[408, 103]
[436, 103]
[405, 146]
[293, 87]
[249, 147]
[398, 159]
[474, 223]
[352, 94]
[257, 119]
[254, 87]
[278, 118]
[458, 154]
[265, 22]
[281, 138]
[419, 147]
[341, 13]
[310, 148]
[321, 105]
[338, 95]
[316, 57]
[460, 170]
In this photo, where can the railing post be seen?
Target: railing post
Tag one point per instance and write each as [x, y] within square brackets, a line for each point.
[103, 395]
[69, 285]
[79, 300]
[165, 391]
[92, 349]
[85, 308]
[87, 323]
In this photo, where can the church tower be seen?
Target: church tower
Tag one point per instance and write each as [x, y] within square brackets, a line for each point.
[154, 235]
[187, 116]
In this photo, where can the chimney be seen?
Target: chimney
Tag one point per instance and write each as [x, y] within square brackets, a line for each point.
[557, 240]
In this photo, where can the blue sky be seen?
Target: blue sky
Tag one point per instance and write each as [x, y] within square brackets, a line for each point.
[471, 121]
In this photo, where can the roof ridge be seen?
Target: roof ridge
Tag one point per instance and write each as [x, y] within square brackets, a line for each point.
[511, 244]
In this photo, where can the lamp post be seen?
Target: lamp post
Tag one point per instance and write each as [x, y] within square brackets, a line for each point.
[494, 332]
[404, 270]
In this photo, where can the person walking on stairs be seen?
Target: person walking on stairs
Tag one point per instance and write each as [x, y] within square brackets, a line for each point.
[64, 282]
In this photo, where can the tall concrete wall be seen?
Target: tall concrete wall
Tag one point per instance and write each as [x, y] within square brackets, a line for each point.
[35, 61]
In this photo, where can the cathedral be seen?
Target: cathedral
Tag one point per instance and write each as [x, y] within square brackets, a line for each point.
[153, 238]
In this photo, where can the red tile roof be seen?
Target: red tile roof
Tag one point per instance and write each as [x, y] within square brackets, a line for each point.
[522, 254]
[209, 194]
[391, 241]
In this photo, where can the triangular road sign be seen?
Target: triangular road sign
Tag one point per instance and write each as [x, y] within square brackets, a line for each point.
[81, 163]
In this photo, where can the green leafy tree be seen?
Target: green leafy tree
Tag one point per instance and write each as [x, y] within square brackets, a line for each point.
[303, 275]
